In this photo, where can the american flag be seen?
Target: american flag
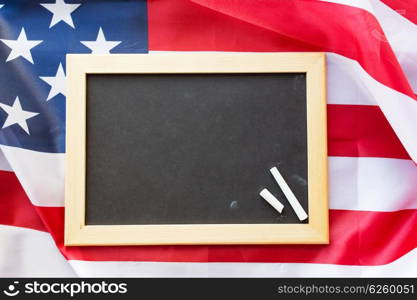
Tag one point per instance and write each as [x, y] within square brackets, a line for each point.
[372, 129]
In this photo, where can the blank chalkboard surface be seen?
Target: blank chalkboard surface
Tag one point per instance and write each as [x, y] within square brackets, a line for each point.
[193, 148]
[175, 150]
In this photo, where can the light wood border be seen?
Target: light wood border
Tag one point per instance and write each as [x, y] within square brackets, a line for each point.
[79, 65]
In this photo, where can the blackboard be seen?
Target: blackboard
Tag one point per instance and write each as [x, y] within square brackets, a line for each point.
[193, 148]
[175, 149]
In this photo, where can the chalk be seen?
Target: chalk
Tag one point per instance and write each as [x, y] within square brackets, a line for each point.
[271, 200]
[301, 214]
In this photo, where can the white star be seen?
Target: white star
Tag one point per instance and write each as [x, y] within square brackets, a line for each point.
[57, 83]
[61, 12]
[16, 115]
[21, 47]
[1, 5]
[100, 45]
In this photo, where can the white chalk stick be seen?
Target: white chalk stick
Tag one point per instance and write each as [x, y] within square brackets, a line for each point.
[301, 214]
[271, 200]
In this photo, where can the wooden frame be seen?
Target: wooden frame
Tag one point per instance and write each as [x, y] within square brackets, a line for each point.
[79, 65]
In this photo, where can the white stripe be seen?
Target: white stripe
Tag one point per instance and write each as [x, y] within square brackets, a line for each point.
[372, 184]
[4, 164]
[30, 253]
[402, 36]
[344, 83]
[399, 32]
[41, 174]
[405, 266]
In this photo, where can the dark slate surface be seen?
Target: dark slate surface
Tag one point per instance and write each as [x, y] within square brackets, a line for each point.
[186, 149]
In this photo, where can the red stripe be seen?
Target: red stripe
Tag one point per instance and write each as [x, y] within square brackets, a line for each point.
[357, 238]
[15, 207]
[180, 25]
[281, 25]
[406, 8]
[361, 131]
